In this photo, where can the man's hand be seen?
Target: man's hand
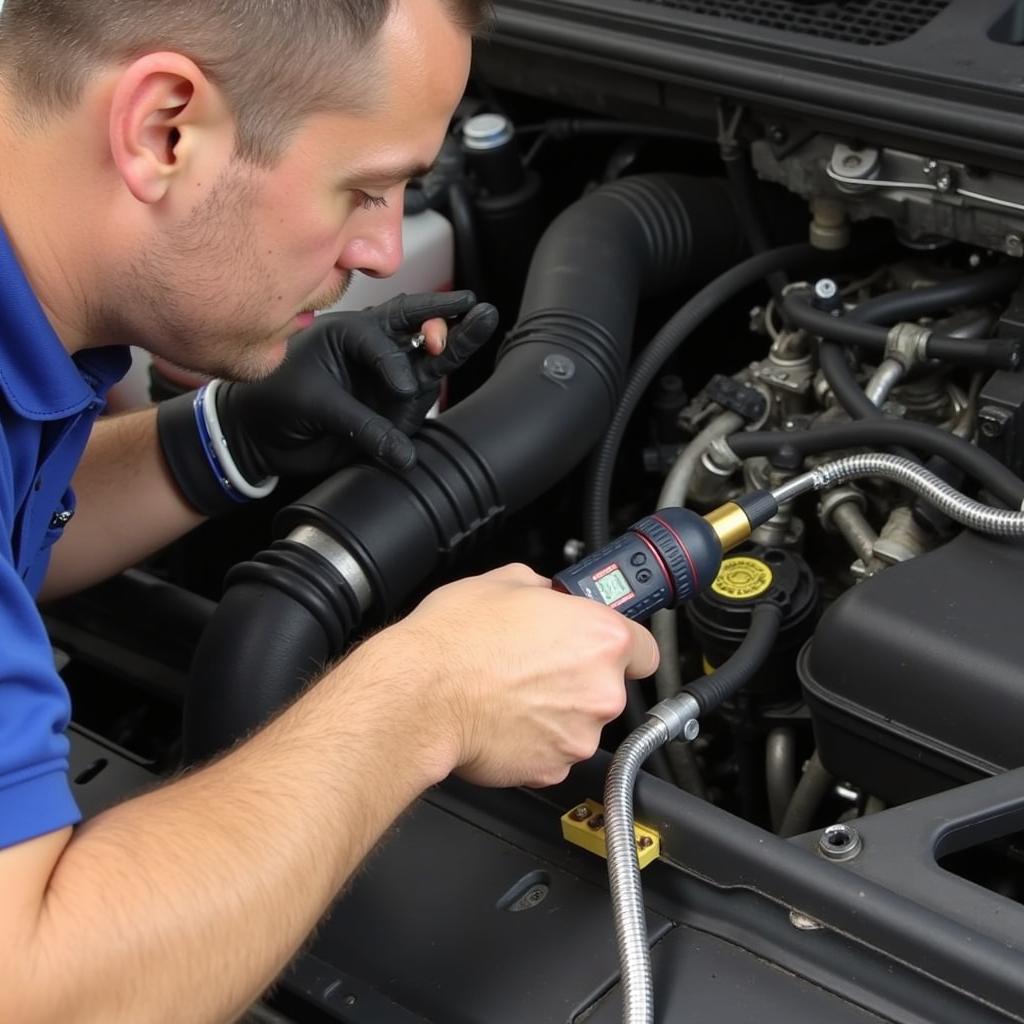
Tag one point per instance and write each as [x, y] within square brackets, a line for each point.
[526, 678]
[353, 385]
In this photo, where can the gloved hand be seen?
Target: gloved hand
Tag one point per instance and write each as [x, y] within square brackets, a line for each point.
[352, 386]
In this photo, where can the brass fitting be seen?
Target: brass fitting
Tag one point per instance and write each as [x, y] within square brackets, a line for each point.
[731, 525]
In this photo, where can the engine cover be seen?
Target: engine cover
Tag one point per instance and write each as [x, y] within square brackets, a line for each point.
[915, 678]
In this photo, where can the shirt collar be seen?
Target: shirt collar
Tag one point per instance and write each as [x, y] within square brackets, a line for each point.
[38, 377]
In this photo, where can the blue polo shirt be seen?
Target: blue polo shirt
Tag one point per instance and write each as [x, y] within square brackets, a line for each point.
[48, 404]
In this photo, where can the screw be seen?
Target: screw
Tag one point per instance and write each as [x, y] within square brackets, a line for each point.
[825, 288]
[350, 1000]
[580, 813]
[993, 421]
[944, 182]
[645, 842]
[840, 842]
[596, 822]
[778, 134]
[559, 367]
[1014, 245]
[974, 260]
[851, 160]
[930, 168]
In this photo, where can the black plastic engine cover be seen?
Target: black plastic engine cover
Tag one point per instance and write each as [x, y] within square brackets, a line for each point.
[915, 678]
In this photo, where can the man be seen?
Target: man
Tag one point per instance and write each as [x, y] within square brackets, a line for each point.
[194, 176]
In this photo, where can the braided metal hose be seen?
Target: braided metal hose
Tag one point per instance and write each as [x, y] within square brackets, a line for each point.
[958, 507]
[624, 870]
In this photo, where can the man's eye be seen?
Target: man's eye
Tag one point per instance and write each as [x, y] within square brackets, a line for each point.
[369, 202]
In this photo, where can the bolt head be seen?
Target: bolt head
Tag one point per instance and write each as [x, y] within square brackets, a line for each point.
[580, 813]
[944, 182]
[840, 842]
[596, 822]
[645, 842]
[1014, 245]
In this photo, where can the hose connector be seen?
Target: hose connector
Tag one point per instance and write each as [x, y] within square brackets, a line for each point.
[734, 521]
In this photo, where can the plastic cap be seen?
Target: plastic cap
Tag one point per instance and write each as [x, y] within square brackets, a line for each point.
[487, 131]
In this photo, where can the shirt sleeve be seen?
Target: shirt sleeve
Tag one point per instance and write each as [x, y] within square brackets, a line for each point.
[35, 792]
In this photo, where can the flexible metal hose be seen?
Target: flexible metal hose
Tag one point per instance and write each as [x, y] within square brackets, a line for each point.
[624, 870]
[958, 507]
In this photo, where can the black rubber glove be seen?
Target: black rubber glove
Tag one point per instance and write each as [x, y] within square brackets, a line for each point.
[351, 386]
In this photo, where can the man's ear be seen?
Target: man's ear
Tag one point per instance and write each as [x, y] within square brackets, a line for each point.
[162, 109]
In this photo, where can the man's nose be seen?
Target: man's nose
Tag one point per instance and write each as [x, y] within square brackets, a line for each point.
[376, 247]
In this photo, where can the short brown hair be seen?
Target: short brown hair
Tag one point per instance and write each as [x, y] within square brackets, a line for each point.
[276, 61]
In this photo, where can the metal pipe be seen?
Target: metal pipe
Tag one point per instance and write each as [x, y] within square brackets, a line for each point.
[958, 507]
[851, 522]
[889, 373]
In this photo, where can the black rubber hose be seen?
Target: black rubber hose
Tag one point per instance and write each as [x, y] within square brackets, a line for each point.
[554, 389]
[467, 245]
[740, 175]
[994, 353]
[883, 432]
[897, 307]
[849, 394]
[729, 678]
[675, 332]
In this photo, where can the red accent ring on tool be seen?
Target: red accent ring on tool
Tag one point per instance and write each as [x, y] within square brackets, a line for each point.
[682, 547]
[673, 552]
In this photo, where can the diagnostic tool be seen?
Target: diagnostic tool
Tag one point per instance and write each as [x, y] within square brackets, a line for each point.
[665, 558]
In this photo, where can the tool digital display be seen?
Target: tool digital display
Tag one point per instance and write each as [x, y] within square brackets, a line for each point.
[612, 585]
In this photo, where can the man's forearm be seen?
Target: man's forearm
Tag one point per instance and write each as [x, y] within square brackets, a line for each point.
[187, 902]
[128, 506]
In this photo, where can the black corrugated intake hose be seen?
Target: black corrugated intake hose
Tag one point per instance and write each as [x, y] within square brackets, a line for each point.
[553, 391]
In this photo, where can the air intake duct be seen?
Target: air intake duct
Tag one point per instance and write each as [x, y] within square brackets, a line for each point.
[365, 540]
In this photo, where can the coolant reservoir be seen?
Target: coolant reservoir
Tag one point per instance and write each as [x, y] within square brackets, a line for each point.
[428, 266]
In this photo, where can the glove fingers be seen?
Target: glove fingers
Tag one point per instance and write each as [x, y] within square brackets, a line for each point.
[467, 337]
[372, 435]
[379, 354]
[407, 313]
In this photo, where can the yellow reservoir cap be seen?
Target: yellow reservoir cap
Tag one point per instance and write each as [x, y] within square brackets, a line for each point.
[743, 578]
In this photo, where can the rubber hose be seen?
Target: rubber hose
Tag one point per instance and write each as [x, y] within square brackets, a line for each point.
[713, 690]
[467, 246]
[885, 432]
[903, 307]
[996, 353]
[675, 332]
[555, 386]
[780, 771]
[811, 790]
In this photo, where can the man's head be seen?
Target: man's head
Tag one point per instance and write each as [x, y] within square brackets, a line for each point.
[231, 157]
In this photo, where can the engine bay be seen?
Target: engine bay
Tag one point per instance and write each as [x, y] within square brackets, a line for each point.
[731, 244]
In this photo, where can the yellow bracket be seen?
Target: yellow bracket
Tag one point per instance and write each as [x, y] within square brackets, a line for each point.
[584, 826]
